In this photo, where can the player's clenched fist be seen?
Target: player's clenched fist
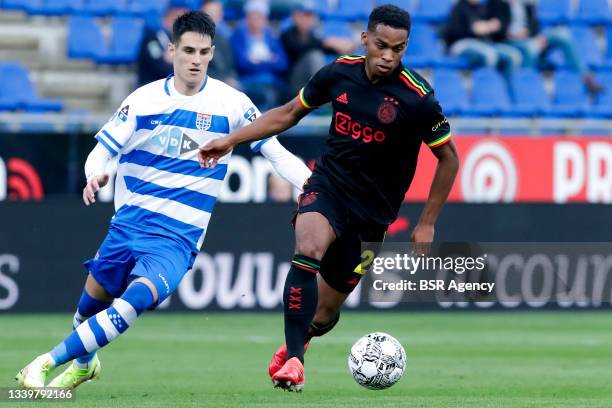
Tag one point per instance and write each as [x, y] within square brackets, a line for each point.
[93, 185]
[211, 152]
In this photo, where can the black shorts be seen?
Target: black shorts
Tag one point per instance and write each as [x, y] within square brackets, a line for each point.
[341, 264]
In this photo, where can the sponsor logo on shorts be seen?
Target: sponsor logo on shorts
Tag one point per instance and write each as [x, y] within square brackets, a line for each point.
[308, 198]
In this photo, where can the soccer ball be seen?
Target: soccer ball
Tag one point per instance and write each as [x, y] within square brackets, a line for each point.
[377, 361]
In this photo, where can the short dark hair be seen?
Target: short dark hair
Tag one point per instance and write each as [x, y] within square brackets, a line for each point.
[195, 21]
[391, 16]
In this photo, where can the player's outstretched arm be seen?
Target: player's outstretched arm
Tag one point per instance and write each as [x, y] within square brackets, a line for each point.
[274, 121]
[95, 167]
[448, 166]
[285, 163]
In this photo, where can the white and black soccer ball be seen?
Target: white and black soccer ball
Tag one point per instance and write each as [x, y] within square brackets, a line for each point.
[377, 361]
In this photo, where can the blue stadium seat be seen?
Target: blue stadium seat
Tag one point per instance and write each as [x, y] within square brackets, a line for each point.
[16, 85]
[23, 5]
[489, 93]
[102, 7]
[407, 5]
[55, 7]
[587, 44]
[607, 63]
[351, 10]
[423, 49]
[552, 12]
[143, 7]
[334, 28]
[7, 102]
[127, 35]
[594, 12]
[570, 99]
[603, 105]
[432, 11]
[528, 93]
[85, 39]
[450, 92]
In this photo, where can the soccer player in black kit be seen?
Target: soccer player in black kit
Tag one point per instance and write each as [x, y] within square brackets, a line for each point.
[382, 112]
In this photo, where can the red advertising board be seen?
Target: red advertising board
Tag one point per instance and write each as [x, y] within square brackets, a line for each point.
[525, 169]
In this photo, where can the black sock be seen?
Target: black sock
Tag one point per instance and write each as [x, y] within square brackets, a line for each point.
[300, 303]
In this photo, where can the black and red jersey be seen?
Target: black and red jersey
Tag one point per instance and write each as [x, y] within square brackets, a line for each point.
[375, 134]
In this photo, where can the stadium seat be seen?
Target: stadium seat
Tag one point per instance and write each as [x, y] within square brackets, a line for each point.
[7, 103]
[607, 63]
[552, 12]
[23, 5]
[57, 7]
[570, 99]
[85, 39]
[489, 94]
[426, 50]
[333, 28]
[423, 49]
[125, 42]
[603, 105]
[432, 11]
[144, 7]
[102, 7]
[450, 91]
[350, 10]
[528, 93]
[405, 4]
[17, 86]
[593, 12]
[586, 42]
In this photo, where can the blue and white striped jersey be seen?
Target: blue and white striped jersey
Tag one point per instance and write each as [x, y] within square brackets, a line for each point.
[160, 187]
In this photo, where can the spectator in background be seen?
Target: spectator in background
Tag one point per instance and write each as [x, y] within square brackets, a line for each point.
[305, 50]
[522, 32]
[259, 55]
[214, 8]
[154, 60]
[471, 32]
[222, 66]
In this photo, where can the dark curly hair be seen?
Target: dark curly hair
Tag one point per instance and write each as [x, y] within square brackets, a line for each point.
[195, 21]
[391, 16]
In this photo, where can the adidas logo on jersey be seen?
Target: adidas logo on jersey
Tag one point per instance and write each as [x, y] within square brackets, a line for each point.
[343, 98]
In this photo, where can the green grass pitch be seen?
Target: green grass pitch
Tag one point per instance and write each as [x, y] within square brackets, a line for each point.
[530, 359]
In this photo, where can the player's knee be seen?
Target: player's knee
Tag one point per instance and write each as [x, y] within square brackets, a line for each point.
[311, 249]
[141, 295]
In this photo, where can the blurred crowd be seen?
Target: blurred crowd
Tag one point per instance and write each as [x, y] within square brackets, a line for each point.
[270, 64]
[506, 34]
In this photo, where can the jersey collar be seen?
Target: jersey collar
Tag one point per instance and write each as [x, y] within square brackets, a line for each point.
[385, 80]
[167, 88]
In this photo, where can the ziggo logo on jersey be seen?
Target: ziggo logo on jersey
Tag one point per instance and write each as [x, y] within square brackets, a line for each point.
[345, 125]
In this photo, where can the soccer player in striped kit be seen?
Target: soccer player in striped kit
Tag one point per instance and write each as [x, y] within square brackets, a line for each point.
[382, 113]
[163, 198]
